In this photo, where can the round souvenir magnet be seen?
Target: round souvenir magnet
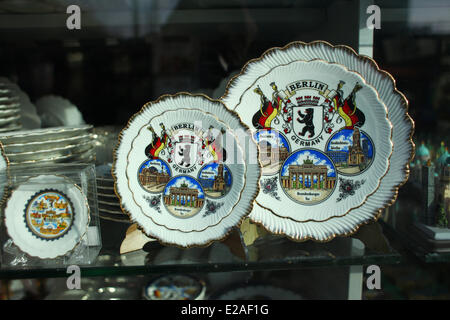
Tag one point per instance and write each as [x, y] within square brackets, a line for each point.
[323, 133]
[47, 216]
[402, 129]
[175, 287]
[181, 171]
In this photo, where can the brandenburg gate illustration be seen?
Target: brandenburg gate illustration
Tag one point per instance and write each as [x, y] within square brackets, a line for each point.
[307, 171]
[183, 196]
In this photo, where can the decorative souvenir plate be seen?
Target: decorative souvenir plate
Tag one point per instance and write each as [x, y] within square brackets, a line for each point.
[189, 182]
[402, 131]
[175, 287]
[310, 149]
[47, 216]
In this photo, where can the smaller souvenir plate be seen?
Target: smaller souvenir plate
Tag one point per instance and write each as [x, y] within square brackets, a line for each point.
[181, 173]
[189, 180]
[47, 216]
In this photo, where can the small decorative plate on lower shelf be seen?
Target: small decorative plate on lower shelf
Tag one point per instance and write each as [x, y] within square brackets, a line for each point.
[47, 216]
[181, 173]
[175, 287]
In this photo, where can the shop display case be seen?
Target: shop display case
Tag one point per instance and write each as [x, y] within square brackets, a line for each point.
[94, 64]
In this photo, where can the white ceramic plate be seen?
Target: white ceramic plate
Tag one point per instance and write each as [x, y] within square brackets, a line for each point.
[10, 107]
[87, 155]
[15, 126]
[311, 149]
[43, 154]
[57, 111]
[9, 112]
[401, 135]
[153, 207]
[7, 120]
[47, 216]
[185, 177]
[47, 134]
[47, 145]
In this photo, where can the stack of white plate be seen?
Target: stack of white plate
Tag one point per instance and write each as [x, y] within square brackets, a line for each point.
[29, 119]
[9, 109]
[108, 203]
[50, 145]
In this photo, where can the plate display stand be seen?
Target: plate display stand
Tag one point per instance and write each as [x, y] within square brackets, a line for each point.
[49, 217]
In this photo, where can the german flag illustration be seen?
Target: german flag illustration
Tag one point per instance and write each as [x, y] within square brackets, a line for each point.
[268, 110]
[158, 143]
[347, 108]
[215, 146]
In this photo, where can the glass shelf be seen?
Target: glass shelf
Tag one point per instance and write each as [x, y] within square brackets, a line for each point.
[266, 253]
[413, 246]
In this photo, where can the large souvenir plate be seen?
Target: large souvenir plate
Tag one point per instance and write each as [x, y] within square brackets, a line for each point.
[401, 135]
[47, 216]
[310, 149]
[181, 173]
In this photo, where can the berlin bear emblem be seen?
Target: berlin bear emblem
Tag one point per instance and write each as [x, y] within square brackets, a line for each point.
[309, 119]
[186, 150]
